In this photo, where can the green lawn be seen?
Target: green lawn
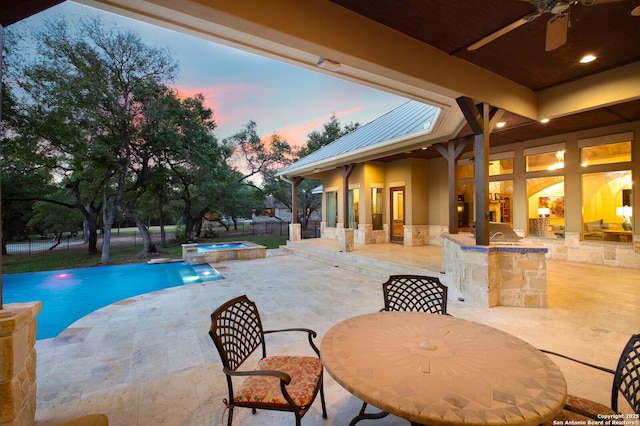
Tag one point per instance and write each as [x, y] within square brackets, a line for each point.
[119, 255]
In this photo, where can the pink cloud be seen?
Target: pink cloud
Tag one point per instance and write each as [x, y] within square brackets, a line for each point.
[231, 103]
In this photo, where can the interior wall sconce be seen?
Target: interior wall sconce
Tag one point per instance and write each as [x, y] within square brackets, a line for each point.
[625, 212]
[328, 64]
[544, 211]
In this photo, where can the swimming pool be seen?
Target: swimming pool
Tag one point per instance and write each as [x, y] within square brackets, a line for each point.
[69, 295]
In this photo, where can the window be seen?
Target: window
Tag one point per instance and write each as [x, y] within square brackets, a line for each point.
[610, 153]
[501, 167]
[545, 161]
[466, 170]
[398, 204]
[376, 208]
[466, 193]
[606, 206]
[545, 206]
[354, 201]
[501, 201]
[544, 158]
[332, 209]
[501, 163]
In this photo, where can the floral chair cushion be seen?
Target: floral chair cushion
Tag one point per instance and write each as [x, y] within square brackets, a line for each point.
[305, 374]
[565, 416]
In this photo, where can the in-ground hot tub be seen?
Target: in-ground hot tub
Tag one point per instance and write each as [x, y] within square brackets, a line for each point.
[196, 254]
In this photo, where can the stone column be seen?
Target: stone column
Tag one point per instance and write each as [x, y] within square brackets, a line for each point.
[365, 234]
[345, 239]
[415, 235]
[18, 363]
[295, 232]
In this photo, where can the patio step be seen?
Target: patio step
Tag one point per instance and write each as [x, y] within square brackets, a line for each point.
[353, 262]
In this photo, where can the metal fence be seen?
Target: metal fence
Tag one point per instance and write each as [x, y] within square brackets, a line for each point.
[39, 245]
[247, 228]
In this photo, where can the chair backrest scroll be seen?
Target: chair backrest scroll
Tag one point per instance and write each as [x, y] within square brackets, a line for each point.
[415, 293]
[236, 330]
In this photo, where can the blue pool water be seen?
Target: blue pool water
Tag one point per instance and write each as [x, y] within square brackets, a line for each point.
[221, 246]
[69, 295]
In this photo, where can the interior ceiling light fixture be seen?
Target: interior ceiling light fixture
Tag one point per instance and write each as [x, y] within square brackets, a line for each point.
[501, 124]
[636, 11]
[328, 64]
[544, 120]
[587, 58]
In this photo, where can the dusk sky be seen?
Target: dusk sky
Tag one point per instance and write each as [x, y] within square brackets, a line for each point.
[240, 86]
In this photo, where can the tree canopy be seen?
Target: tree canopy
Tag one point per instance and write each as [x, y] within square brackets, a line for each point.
[94, 113]
[91, 126]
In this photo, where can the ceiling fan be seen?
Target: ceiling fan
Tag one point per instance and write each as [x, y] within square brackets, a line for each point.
[556, 26]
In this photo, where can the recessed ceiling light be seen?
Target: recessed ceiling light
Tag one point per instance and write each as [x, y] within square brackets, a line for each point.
[587, 58]
[501, 124]
[544, 120]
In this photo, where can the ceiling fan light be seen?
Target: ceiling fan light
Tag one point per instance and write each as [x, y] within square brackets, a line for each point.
[587, 58]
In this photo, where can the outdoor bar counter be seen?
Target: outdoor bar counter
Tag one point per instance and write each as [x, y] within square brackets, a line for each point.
[501, 274]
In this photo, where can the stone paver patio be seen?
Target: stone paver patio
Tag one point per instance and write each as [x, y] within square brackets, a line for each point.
[149, 360]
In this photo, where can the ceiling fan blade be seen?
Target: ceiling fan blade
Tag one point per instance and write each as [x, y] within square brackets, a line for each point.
[502, 31]
[556, 33]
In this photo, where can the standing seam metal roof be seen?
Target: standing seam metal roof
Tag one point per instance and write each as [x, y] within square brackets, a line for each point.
[410, 117]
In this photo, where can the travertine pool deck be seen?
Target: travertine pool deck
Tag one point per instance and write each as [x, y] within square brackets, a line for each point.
[149, 360]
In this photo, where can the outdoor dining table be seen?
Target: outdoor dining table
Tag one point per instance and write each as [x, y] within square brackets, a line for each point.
[440, 370]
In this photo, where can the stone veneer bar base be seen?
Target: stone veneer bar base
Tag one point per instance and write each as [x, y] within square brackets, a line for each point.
[18, 362]
[514, 275]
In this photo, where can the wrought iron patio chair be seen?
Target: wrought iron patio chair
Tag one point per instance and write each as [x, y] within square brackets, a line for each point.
[626, 382]
[419, 293]
[283, 383]
[415, 293]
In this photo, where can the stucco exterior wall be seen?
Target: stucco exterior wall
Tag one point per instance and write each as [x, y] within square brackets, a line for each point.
[438, 193]
[418, 196]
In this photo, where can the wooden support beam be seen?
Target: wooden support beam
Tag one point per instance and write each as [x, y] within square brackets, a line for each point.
[452, 153]
[346, 172]
[482, 119]
[294, 198]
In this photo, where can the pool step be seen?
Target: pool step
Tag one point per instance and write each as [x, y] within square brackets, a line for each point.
[374, 268]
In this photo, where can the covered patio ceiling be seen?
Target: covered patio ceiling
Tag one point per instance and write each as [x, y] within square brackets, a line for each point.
[419, 49]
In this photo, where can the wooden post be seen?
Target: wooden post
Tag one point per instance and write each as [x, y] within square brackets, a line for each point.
[294, 198]
[451, 153]
[482, 119]
[346, 172]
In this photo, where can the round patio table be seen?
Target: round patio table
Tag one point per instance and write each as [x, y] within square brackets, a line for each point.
[439, 370]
